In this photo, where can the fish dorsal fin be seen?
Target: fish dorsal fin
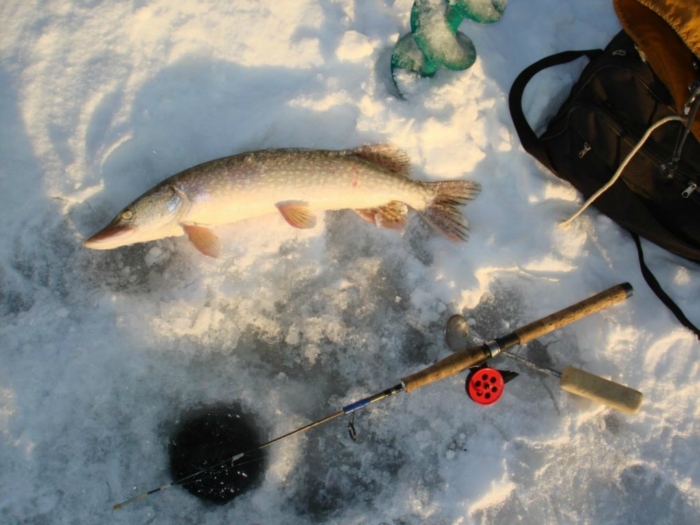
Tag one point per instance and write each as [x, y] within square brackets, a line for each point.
[297, 214]
[203, 239]
[388, 157]
[392, 215]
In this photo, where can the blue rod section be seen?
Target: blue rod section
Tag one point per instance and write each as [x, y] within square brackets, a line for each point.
[371, 399]
[357, 405]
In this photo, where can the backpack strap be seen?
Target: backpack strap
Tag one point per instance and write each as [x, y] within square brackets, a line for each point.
[527, 136]
[532, 145]
[660, 293]
[615, 198]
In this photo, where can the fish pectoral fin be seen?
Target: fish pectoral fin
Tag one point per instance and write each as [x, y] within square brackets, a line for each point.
[203, 239]
[297, 214]
[392, 215]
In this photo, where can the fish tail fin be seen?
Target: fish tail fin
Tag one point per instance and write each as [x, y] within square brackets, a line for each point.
[442, 213]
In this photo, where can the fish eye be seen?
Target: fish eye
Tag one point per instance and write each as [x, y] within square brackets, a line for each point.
[126, 215]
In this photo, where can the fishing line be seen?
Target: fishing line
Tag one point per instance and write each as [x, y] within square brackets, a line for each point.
[232, 459]
[573, 380]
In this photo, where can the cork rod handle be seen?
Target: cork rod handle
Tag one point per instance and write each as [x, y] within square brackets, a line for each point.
[451, 365]
[573, 313]
[459, 361]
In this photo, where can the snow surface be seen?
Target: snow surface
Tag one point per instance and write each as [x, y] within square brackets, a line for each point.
[102, 352]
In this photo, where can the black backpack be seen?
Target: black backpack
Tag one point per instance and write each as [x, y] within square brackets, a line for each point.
[611, 108]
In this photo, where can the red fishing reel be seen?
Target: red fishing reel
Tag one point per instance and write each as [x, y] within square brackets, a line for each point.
[485, 385]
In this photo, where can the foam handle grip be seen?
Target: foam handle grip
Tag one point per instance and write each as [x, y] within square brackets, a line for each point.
[600, 390]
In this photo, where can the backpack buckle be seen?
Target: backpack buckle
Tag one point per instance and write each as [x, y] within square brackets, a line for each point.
[694, 89]
[668, 169]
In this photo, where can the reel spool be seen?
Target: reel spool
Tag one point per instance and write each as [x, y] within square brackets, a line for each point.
[485, 386]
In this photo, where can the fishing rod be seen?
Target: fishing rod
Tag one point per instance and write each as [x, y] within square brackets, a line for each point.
[577, 381]
[571, 379]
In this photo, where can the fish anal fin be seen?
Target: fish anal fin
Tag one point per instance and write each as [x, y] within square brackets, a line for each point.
[368, 214]
[297, 214]
[392, 215]
[386, 156]
[203, 239]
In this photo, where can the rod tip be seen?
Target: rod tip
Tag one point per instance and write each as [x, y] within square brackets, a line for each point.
[141, 496]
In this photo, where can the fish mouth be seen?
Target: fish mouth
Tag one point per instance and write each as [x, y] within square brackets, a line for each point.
[112, 236]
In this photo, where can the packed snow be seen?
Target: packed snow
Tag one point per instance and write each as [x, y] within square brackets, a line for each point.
[102, 353]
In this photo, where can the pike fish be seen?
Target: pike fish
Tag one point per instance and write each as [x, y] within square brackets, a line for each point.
[372, 180]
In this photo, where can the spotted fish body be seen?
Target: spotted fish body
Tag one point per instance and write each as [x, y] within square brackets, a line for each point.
[372, 180]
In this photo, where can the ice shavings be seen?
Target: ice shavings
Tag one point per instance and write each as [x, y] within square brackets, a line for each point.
[354, 46]
[8, 409]
[683, 276]
[549, 264]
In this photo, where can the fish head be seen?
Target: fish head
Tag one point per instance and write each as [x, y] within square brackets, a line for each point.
[152, 216]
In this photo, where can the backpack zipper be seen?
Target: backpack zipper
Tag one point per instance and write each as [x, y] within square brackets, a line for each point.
[586, 149]
[687, 182]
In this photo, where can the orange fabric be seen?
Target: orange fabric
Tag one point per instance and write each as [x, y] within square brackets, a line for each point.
[668, 33]
[683, 16]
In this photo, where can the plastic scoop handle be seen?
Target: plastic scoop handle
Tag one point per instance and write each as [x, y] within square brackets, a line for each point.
[601, 390]
[590, 386]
